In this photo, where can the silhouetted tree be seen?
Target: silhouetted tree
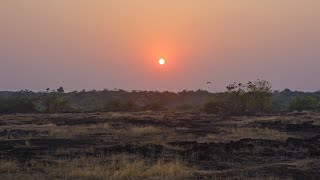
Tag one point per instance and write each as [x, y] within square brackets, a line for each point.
[60, 90]
[242, 98]
[259, 95]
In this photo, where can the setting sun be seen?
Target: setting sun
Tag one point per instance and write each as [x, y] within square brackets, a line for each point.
[162, 61]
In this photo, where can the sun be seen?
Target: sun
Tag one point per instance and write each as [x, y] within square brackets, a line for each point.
[162, 61]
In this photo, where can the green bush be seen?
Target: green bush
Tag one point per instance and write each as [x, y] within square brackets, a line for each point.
[307, 103]
[215, 106]
[117, 105]
[17, 105]
[240, 99]
[54, 104]
[228, 103]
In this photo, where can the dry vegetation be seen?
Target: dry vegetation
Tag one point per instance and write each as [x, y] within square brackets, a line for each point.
[115, 167]
[158, 145]
[8, 166]
[236, 134]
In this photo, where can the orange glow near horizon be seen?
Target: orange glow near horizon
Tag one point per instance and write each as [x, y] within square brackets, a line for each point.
[119, 43]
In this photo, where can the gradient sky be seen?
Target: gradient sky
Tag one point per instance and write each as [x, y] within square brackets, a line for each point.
[96, 44]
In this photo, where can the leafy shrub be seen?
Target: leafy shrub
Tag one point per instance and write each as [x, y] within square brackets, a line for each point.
[215, 106]
[117, 105]
[54, 104]
[308, 103]
[17, 105]
[240, 99]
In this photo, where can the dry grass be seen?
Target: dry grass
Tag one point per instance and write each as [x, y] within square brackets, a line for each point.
[132, 169]
[69, 131]
[78, 130]
[147, 130]
[7, 166]
[119, 167]
[118, 115]
[235, 134]
[306, 164]
[109, 130]
[175, 169]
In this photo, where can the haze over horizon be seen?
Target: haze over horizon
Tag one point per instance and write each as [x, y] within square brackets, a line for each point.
[82, 44]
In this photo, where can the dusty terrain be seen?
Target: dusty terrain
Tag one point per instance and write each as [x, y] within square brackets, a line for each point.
[159, 145]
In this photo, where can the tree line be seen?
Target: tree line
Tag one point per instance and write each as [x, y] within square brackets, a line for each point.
[255, 97]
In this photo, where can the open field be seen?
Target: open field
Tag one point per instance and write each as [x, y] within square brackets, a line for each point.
[159, 145]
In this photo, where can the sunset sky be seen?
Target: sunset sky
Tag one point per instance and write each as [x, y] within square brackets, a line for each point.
[97, 44]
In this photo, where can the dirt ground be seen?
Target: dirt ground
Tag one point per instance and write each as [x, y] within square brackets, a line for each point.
[159, 145]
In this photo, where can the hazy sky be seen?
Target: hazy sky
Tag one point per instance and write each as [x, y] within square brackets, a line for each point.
[96, 44]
